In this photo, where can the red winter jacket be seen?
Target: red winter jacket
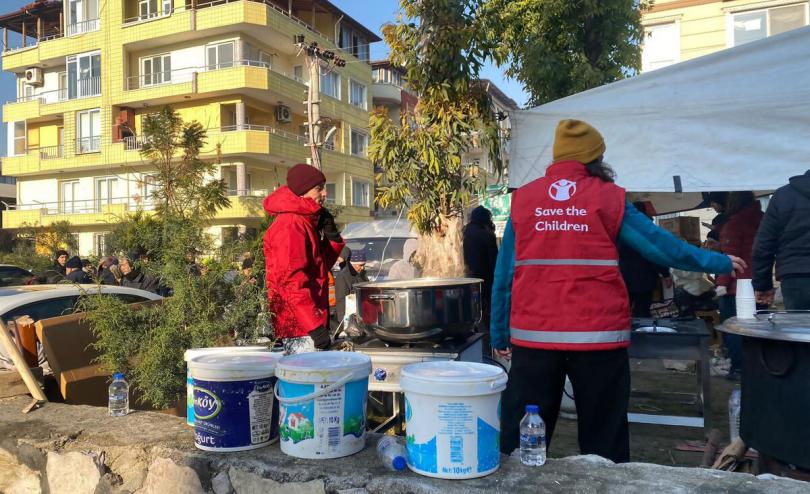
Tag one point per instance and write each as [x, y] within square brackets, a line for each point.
[298, 259]
[737, 239]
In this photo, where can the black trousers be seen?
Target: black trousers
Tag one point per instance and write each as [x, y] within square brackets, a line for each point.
[601, 381]
[640, 303]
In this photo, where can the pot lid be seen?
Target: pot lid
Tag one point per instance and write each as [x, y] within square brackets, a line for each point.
[420, 283]
[784, 326]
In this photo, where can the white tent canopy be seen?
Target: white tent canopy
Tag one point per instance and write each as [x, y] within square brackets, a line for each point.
[738, 119]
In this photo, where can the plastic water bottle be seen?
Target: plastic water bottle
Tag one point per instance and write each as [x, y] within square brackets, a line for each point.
[532, 438]
[734, 414]
[391, 453]
[119, 396]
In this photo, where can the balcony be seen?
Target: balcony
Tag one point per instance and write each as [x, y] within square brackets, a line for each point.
[247, 76]
[83, 27]
[387, 92]
[84, 153]
[260, 140]
[77, 38]
[39, 105]
[244, 204]
[82, 212]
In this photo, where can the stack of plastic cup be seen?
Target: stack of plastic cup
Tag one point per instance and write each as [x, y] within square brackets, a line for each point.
[746, 302]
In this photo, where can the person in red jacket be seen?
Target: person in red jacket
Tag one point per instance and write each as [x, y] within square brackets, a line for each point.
[300, 247]
[737, 234]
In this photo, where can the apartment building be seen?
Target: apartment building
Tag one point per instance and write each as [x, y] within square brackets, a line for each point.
[678, 30]
[88, 71]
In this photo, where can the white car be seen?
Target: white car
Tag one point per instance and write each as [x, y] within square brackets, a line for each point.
[44, 301]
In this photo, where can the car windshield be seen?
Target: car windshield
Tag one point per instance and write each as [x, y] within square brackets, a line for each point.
[373, 247]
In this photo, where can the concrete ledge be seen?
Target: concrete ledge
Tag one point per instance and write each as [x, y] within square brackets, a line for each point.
[79, 449]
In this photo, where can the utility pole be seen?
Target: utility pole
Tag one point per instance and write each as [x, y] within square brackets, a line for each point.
[314, 123]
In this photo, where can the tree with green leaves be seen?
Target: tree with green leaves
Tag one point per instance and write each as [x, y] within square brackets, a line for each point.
[560, 47]
[441, 45]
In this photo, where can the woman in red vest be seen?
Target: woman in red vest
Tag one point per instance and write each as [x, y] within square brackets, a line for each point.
[559, 304]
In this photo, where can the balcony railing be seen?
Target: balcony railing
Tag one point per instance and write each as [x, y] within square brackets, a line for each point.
[91, 144]
[186, 74]
[87, 87]
[82, 27]
[82, 206]
[51, 152]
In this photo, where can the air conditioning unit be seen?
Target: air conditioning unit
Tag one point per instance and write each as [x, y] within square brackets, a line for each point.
[283, 114]
[33, 76]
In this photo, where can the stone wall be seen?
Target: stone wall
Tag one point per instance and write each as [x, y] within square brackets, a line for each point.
[63, 449]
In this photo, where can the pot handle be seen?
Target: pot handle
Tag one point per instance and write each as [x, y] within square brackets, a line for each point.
[381, 296]
[317, 394]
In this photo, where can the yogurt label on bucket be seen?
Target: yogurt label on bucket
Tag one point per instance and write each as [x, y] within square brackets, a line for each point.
[260, 400]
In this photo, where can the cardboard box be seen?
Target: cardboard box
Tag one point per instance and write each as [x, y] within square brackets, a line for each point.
[685, 227]
[12, 384]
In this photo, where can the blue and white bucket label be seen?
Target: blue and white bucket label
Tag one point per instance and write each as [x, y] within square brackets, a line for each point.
[452, 437]
[233, 415]
[330, 426]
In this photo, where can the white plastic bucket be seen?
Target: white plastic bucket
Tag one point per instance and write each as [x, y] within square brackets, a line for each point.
[452, 410]
[322, 403]
[196, 352]
[233, 400]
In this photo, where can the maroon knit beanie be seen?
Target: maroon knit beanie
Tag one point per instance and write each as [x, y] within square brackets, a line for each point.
[301, 178]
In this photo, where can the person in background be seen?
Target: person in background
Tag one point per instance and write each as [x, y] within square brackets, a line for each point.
[105, 273]
[58, 271]
[300, 247]
[784, 238]
[247, 271]
[559, 305]
[640, 275]
[133, 277]
[75, 273]
[405, 269]
[480, 255]
[353, 273]
[743, 215]
[194, 268]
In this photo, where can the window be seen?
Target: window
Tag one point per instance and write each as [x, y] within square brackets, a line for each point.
[100, 244]
[68, 195]
[148, 190]
[357, 94]
[386, 76]
[148, 9]
[751, 26]
[14, 276]
[20, 138]
[330, 83]
[360, 193]
[354, 43]
[156, 69]
[106, 192]
[662, 46]
[43, 309]
[63, 86]
[220, 56]
[331, 193]
[298, 73]
[88, 131]
[84, 75]
[82, 16]
[359, 143]
[256, 57]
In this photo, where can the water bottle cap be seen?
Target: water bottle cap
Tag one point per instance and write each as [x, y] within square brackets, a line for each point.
[118, 375]
[532, 409]
[399, 463]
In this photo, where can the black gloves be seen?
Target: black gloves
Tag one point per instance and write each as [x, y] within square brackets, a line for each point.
[326, 224]
[321, 337]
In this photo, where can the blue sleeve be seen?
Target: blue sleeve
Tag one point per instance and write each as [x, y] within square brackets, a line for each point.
[661, 247]
[502, 290]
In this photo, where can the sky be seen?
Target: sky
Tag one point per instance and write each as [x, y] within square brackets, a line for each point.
[372, 14]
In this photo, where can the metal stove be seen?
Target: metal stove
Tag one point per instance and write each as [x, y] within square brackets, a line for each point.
[388, 359]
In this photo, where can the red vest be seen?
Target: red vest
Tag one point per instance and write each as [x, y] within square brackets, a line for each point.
[567, 292]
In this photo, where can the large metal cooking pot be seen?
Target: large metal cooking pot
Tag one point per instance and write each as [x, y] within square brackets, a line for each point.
[775, 384]
[420, 309]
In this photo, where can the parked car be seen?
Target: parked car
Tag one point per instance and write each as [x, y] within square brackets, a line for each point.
[382, 241]
[44, 301]
[15, 276]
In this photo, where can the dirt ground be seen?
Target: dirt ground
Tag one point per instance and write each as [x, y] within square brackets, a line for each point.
[655, 388]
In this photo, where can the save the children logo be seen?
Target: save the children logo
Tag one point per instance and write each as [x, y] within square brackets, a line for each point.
[562, 190]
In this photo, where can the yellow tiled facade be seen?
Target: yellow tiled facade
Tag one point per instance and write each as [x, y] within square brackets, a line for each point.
[74, 133]
[680, 30]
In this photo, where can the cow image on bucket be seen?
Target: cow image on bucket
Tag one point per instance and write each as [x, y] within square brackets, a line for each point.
[233, 400]
[452, 412]
[322, 403]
